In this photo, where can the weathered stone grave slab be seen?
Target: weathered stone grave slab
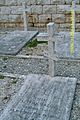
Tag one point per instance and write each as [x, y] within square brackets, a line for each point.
[63, 42]
[42, 98]
[13, 42]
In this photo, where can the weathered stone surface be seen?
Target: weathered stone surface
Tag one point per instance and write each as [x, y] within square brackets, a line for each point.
[41, 10]
[37, 9]
[45, 18]
[42, 98]
[43, 2]
[5, 10]
[58, 18]
[57, 2]
[2, 2]
[13, 42]
[62, 8]
[49, 9]
[42, 37]
[33, 18]
[63, 45]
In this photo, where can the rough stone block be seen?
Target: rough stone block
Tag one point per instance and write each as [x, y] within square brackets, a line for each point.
[16, 10]
[37, 9]
[45, 18]
[5, 10]
[62, 8]
[33, 18]
[15, 18]
[77, 19]
[70, 1]
[78, 25]
[43, 2]
[57, 2]
[49, 9]
[58, 18]
[2, 2]
[41, 25]
[11, 2]
[4, 18]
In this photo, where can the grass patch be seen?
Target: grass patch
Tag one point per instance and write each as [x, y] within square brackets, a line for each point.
[1, 77]
[14, 81]
[5, 58]
[34, 43]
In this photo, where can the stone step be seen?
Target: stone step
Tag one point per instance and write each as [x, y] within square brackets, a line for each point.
[42, 98]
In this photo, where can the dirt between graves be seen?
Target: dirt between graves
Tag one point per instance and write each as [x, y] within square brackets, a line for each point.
[8, 87]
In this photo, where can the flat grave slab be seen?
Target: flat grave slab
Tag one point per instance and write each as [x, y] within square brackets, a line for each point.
[42, 98]
[12, 43]
[63, 42]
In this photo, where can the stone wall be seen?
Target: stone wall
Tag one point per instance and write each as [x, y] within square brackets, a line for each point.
[41, 12]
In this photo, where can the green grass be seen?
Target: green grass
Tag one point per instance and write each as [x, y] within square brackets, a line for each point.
[14, 81]
[5, 58]
[1, 77]
[34, 43]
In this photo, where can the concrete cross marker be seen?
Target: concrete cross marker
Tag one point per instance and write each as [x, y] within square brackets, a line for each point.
[51, 47]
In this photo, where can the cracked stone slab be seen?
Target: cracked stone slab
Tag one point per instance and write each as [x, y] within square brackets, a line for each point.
[12, 43]
[42, 98]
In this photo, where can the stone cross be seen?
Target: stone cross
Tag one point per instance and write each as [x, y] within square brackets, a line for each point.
[25, 16]
[51, 47]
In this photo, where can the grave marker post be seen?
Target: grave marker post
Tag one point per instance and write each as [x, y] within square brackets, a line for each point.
[51, 47]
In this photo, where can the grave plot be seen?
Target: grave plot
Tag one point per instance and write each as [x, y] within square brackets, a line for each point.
[13, 42]
[41, 98]
[62, 46]
[9, 86]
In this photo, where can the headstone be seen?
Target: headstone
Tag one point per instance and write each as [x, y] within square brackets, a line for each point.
[51, 47]
[42, 98]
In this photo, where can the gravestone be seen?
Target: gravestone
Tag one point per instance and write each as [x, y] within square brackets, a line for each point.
[13, 42]
[42, 98]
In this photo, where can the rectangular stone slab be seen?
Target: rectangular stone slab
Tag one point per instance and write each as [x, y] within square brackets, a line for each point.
[13, 42]
[42, 98]
[63, 42]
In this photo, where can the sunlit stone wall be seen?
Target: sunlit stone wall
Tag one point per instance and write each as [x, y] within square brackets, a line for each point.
[41, 12]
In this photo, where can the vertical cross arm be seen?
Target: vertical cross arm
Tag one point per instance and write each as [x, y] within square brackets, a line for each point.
[51, 47]
[25, 16]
